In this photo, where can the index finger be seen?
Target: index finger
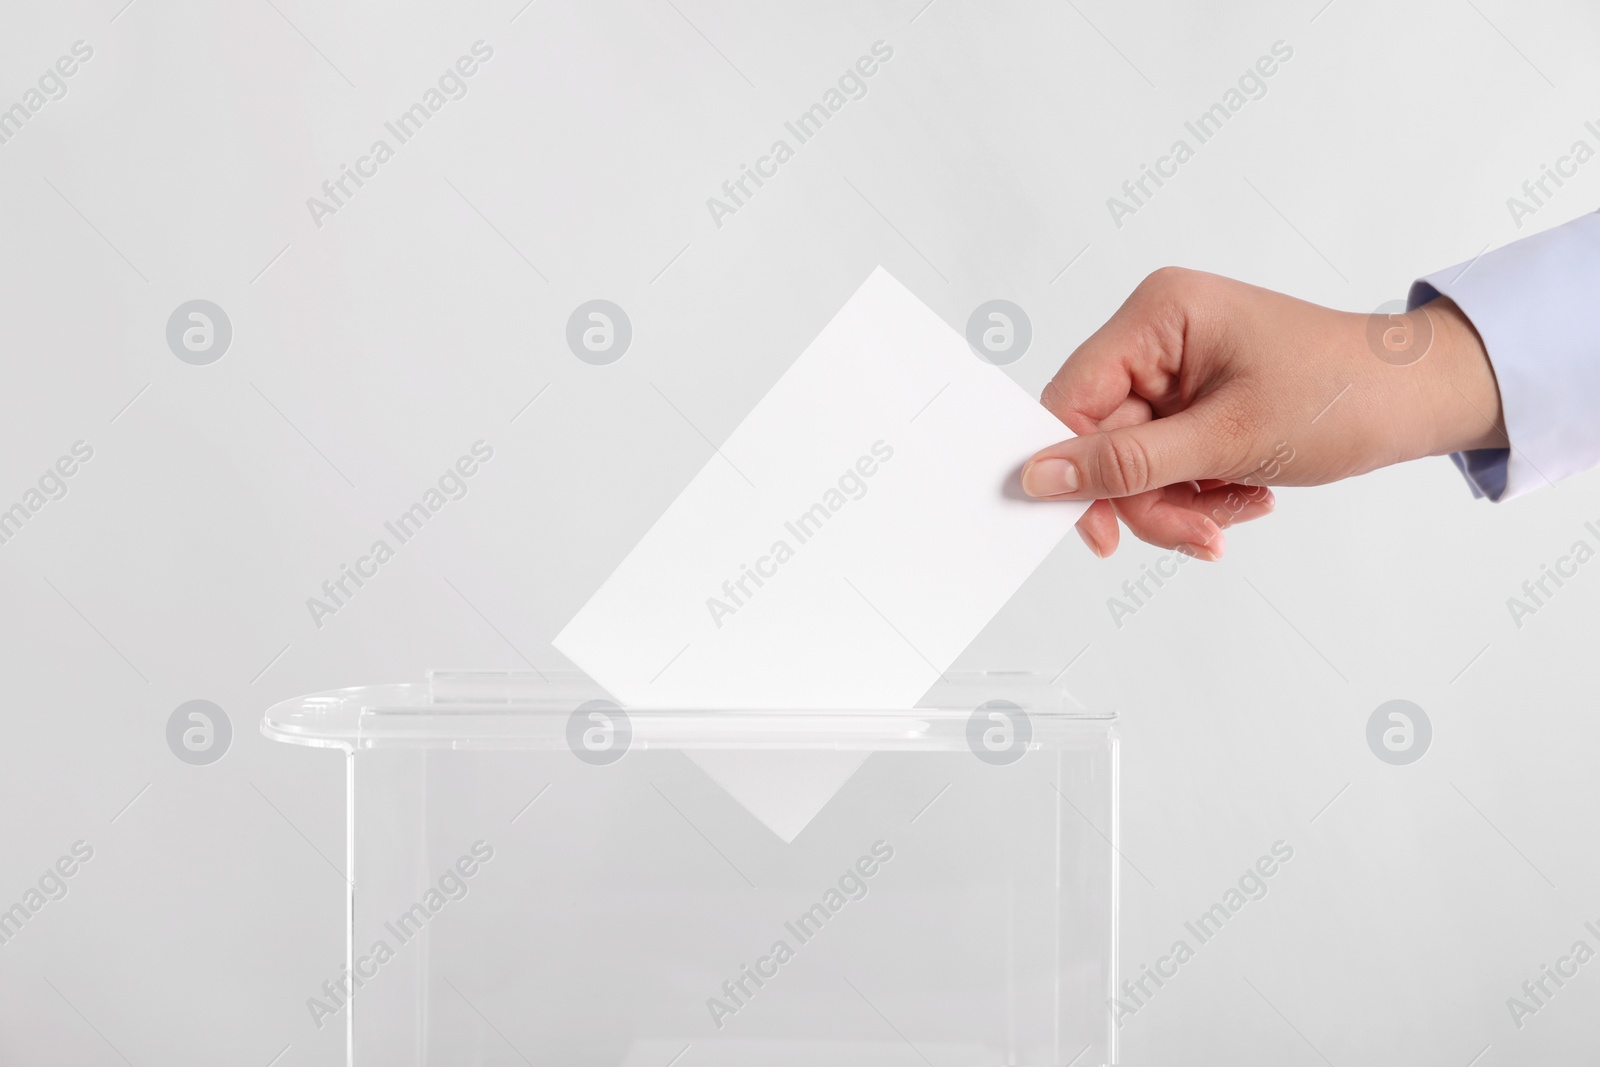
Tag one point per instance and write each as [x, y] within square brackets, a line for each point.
[1138, 352]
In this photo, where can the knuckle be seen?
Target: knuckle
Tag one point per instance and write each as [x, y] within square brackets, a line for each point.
[1122, 464]
[1166, 305]
[1064, 407]
[1171, 286]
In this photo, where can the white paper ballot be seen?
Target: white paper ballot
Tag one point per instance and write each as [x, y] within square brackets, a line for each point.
[848, 540]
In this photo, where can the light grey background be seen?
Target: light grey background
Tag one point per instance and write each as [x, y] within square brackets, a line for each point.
[370, 353]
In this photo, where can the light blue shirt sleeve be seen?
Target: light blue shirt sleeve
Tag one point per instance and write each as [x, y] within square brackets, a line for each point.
[1536, 304]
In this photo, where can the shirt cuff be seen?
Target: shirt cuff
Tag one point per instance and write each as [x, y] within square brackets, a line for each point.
[1536, 305]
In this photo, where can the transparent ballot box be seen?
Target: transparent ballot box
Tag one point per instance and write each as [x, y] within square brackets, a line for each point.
[537, 876]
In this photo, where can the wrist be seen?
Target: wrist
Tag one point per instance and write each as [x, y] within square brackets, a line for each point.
[1466, 408]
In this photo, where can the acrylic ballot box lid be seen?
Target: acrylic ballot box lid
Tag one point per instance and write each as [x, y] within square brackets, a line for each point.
[527, 709]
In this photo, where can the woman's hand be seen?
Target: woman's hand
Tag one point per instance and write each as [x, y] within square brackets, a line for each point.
[1201, 391]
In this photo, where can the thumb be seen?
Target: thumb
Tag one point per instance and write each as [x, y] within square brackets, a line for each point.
[1182, 447]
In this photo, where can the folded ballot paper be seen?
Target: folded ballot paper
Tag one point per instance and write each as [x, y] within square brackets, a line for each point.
[845, 543]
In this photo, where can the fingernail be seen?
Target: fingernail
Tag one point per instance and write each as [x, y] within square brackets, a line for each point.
[1090, 542]
[1050, 477]
[1262, 498]
[1211, 550]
